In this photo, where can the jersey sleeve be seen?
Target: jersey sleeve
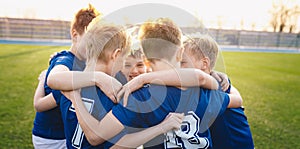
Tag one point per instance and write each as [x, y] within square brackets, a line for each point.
[57, 95]
[218, 102]
[229, 88]
[139, 112]
[130, 115]
[64, 60]
[224, 102]
[59, 59]
[125, 116]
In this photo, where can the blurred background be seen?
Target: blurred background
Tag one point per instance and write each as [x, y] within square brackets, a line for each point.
[232, 22]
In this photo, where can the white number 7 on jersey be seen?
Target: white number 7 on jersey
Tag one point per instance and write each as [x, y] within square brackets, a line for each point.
[78, 134]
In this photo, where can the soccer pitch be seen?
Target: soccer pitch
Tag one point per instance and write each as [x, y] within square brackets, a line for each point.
[268, 82]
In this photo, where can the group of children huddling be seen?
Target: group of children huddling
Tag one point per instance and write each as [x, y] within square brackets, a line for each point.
[102, 94]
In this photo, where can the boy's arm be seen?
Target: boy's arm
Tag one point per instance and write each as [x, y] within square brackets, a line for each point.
[184, 77]
[60, 78]
[41, 102]
[236, 100]
[44, 103]
[133, 140]
[95, 131]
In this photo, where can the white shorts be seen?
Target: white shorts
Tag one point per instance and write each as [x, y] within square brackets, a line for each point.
[42, 143]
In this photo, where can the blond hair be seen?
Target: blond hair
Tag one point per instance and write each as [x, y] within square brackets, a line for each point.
[160, 38]
[101, 39]
[136, 54]
[203, 46]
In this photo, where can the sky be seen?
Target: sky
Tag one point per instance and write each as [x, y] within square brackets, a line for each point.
[231, 13]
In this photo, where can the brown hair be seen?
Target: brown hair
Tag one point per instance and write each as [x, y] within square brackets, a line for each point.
[160, 38]
[162, 28]
[203, 46]
[83, 17]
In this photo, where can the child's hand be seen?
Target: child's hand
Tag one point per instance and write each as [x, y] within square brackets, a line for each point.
[171, 122]
[128, 88]
[222, 78]
[110, 87]
[42, 76]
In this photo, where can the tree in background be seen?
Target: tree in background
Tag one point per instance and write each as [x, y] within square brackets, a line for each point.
[284, 16]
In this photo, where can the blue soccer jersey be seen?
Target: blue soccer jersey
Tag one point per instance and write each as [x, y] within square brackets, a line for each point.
[49, 124]
[98, 104]
[149, 106]
[121, 78]
[68, 117]
[231, 130]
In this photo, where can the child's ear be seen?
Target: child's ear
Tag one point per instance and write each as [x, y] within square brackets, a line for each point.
[115, 54]
[74, 35]
[206, 63]
[179, 54]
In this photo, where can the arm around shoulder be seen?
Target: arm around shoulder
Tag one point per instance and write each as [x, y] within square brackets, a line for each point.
[40, 101]
[183, 77]
[44, 103]
[55, 78]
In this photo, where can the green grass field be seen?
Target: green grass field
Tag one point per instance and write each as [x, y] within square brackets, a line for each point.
[269, 84]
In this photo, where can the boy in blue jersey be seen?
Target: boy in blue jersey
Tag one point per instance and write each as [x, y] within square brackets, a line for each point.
[111, 44]
[110, 38]
[106, 47]
[149, 105]
[231, 130]
[48, 130]
[63, 62]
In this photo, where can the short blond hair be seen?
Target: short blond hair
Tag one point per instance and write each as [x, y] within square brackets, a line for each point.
[160, 38]
[101, 38]
[136, 54]
[202, 46]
